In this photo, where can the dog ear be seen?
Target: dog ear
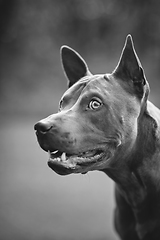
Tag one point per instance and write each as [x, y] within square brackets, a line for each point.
[74, 65]
[130, 68]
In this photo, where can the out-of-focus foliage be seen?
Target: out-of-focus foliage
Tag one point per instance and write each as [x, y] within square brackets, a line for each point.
[82, 23]
[35, 203]
[31, 33]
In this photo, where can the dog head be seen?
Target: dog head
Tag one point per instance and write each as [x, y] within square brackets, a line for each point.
[96, 124]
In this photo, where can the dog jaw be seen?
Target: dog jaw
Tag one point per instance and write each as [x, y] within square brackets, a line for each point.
[64, 163]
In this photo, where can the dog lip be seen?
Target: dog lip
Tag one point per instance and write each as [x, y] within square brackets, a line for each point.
[58, 163]
[74, 161]
[64, 156]
[60, 168]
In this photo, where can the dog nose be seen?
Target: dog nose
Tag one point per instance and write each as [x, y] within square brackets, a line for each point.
[42, 127]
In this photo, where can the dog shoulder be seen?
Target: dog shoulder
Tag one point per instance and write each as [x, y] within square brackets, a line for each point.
[154, 113]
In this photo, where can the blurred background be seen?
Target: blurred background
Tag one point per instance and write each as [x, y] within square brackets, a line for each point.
[36, 203]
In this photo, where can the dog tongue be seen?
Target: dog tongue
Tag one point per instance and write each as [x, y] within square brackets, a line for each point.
[89, 153]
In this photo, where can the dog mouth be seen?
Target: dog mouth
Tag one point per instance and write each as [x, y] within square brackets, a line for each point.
[65, 163]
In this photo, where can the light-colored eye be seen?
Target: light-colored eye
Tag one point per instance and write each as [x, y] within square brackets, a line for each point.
[94, 104]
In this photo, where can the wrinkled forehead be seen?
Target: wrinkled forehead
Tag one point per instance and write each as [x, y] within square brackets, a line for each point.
[94, 83]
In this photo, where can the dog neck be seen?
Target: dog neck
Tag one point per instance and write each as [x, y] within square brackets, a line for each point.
[133, 177]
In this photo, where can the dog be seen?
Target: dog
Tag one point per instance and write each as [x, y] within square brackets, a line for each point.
[105, 122]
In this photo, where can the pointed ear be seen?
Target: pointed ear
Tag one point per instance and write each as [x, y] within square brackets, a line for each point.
[74, 65]
[129, 67]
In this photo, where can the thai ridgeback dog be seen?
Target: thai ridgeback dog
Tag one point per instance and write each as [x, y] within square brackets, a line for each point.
[105, 122]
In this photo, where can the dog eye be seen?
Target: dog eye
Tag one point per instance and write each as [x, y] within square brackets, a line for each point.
[94, 104]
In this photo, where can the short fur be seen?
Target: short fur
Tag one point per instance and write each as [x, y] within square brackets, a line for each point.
[106, 122]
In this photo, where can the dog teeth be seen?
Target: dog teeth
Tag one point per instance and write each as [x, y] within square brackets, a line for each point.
[63, 157]
[55, 152]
